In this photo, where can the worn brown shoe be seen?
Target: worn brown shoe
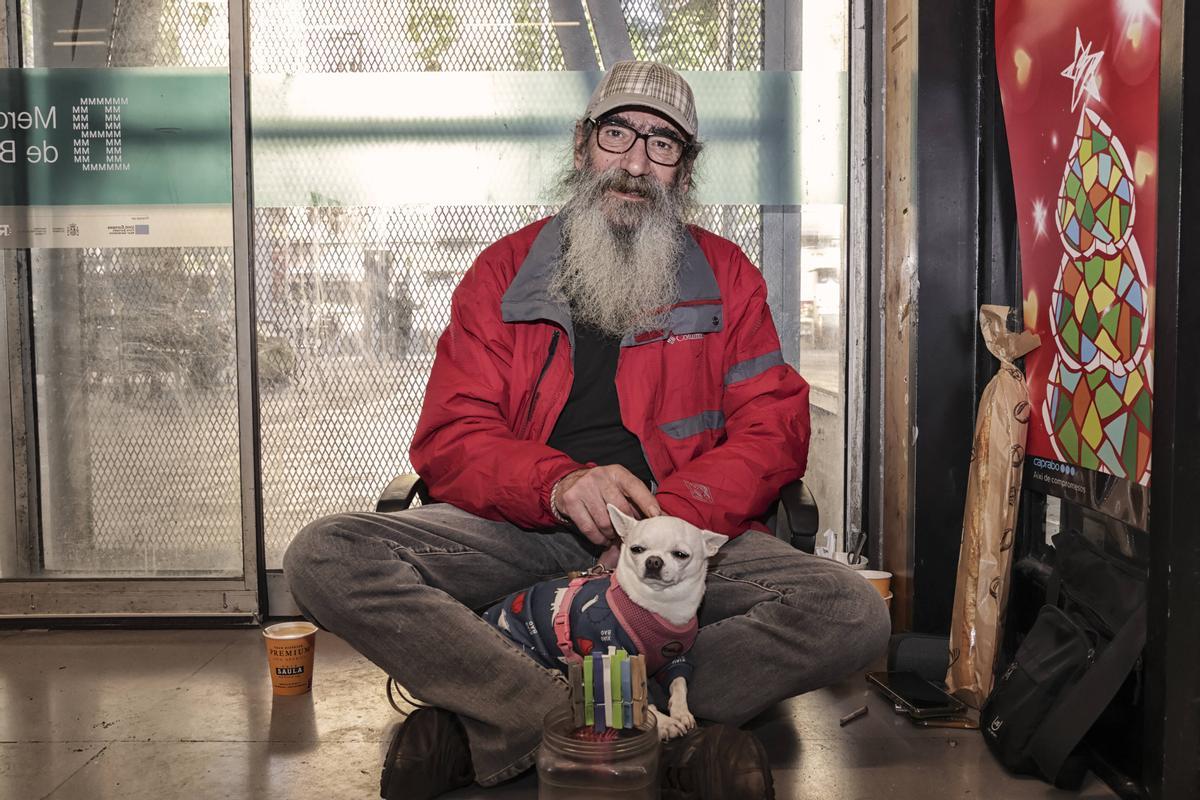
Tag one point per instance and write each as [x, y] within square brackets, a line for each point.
[428, 757]
[716, 762]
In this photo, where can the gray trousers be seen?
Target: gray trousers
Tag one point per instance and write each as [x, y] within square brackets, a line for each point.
[403, 589]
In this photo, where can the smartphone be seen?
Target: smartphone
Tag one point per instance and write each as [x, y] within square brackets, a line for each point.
[965, 723]
[919, 698]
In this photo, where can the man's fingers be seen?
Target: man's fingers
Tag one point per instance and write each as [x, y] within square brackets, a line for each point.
[618, 499]
[585, 495]
[637, 491]
[597, 508]
[579, 514]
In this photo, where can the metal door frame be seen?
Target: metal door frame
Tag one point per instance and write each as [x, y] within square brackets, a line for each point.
[43, 601]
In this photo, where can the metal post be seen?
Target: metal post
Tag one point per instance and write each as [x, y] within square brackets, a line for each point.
[862, 268]
[247, 361]
[570, 25]
[612, 34]
[1172, 716]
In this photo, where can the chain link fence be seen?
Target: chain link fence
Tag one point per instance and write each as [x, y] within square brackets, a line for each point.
[137, 410]
[350, 301]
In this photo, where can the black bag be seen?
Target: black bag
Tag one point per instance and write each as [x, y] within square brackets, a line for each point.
[1069, 666]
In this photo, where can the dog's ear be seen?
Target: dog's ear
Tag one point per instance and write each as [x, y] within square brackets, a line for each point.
[622, 522]
[713, 542]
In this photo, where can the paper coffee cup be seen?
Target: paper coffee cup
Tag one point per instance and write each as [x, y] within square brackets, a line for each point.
[290, 649]
[882, 581]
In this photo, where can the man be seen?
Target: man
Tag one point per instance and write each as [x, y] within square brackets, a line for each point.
[610, 354]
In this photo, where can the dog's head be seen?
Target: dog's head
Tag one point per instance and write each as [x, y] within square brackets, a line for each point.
[661, 552]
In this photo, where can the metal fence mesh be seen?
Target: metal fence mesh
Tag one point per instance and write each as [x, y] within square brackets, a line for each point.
[697, 35]
[138, 407]
[351, 302]
[297, 36]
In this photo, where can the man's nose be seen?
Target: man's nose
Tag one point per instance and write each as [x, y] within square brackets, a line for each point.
[654, 564]
[635, 161]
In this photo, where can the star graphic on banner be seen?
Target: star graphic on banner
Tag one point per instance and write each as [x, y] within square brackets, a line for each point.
[1082, 72]
[1039, 218]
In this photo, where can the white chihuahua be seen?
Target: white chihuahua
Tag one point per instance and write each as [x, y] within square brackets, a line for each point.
[662, 567]
[647, 606]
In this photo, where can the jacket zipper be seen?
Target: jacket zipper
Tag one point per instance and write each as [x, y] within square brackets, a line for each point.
[537, 384]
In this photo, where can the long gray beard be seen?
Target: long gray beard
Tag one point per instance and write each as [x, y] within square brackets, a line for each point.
[620, 263]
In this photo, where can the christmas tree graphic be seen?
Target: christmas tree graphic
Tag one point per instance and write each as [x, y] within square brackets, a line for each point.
[1099, 389]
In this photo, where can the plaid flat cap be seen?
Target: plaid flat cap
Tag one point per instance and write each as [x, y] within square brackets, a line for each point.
[646, 83]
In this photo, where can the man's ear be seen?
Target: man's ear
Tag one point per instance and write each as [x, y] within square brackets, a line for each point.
[684, 181]
[713, 542]
[622, 523]
[580, 144]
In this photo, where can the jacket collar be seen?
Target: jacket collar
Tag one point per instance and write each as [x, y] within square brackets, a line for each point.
[697, 309]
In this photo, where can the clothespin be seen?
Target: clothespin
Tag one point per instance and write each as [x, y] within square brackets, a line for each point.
[608, 687]
[589, 694]
[618, 720]
[640, 697]
[575, 677]
[627, 692]
[599, 682]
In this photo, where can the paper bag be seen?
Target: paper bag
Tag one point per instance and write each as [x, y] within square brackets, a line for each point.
[993, 490]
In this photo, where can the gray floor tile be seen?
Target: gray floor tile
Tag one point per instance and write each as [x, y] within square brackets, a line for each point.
[60, 686]
[33, 770]
[229, 699]
[90, 715]
[225, 771]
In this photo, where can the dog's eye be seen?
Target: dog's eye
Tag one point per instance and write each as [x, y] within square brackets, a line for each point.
[637, 549]
[682, 556]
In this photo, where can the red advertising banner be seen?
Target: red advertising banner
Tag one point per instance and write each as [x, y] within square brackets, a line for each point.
[1079, 85]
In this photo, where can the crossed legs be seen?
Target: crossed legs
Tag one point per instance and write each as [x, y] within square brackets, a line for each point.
[404, 588]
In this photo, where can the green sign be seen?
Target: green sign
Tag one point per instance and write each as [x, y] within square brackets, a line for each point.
[114, 137]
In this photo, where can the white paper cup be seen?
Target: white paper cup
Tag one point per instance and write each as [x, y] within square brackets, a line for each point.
[844, 558]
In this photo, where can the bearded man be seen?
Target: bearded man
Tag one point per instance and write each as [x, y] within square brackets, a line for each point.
[609, 354]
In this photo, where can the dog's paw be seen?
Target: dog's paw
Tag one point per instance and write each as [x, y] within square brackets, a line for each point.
[671, 727]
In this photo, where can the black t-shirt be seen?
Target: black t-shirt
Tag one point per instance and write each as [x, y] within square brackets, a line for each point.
[590, 428]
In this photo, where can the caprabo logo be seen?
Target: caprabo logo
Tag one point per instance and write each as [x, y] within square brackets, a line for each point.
[1055, 466]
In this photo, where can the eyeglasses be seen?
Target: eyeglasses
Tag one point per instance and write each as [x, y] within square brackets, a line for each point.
[617, 137]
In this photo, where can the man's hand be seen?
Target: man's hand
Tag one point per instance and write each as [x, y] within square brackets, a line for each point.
[582, 497]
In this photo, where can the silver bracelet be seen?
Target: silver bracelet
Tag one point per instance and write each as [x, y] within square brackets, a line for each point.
[554, 504]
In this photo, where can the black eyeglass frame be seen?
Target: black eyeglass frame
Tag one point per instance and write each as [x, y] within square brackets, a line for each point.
[684, 146]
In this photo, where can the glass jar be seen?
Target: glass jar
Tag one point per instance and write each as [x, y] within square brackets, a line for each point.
[571, 768]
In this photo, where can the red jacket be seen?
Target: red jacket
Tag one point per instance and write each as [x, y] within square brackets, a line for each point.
[723, 421]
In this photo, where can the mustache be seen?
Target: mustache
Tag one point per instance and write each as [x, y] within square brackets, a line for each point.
[621, 181]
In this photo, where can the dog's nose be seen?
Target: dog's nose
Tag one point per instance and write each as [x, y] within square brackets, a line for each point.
[654, 565]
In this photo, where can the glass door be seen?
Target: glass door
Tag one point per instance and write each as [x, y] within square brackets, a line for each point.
[127, 491]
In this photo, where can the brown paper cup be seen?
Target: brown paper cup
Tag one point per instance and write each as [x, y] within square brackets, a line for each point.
[290, 649]
[882, 581]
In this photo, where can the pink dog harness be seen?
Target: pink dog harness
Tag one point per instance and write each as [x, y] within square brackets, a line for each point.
[658, 639]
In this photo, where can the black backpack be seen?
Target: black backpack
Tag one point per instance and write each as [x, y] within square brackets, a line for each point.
[1083, 645]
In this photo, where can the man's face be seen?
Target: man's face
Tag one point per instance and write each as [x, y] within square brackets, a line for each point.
[633, 161]
[623, 229]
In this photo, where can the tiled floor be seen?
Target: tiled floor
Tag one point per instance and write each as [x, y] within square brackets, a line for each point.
[141, 715]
